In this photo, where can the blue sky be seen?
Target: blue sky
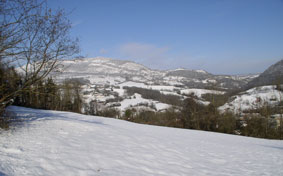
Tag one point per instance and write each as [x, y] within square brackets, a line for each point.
[219, 36]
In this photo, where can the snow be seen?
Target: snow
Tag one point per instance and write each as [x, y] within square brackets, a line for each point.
[206, 103]
[103, 98]
[161, 106]
[253, 98]
[179, 69]
[170, 93]
[164, 88]
[132, 84]
[243, 77]
[133, 66]
[153, 87]
[200, 92]
[53, 143]
[209, 81]
[100, 60]
[137, 99]
[121, 92]
[200, 71]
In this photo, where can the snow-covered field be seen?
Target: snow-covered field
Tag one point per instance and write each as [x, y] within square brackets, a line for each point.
[63, 143]
[153, 87]
[200, 92]
[137, 99]
[253, 99]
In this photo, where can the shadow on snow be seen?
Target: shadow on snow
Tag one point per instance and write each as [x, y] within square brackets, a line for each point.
[22, 115]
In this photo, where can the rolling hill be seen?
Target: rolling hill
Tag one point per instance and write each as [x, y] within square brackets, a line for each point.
[53, 142]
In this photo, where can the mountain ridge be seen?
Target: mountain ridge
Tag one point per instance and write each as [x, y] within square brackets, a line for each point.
[272, 75]
[131, 71]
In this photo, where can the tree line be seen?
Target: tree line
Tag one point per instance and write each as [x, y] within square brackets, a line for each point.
[192, 115]
[154, 95]
[48, 95]
[44, 94]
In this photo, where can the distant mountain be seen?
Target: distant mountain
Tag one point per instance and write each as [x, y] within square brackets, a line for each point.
[101, 70]
[106, 82]
[273, 75]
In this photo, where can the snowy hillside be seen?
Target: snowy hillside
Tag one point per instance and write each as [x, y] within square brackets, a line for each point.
[104, 81]
[137, 100]
[101, 70]
[253, 98]
[200, 92]
[63, 143]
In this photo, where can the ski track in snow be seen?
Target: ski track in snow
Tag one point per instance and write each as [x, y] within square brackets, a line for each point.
[53, 143]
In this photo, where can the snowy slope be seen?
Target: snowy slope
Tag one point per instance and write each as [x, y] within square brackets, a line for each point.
[253, 98]
[100, 70]
[200, 92]
[103, 80]
[137, 99]
[63, 143]
[153, 87]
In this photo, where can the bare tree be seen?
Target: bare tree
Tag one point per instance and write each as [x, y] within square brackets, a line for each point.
[35, 37]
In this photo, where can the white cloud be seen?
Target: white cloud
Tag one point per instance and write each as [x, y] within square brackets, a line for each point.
[76, 23]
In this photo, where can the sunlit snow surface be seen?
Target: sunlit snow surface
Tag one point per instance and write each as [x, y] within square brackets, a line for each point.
[63, 143]
[253, 99]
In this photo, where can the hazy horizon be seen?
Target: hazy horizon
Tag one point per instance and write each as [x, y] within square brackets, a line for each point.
[220, 36]
[173, 68]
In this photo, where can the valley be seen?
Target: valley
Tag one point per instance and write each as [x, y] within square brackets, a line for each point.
[105, 79]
